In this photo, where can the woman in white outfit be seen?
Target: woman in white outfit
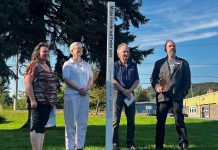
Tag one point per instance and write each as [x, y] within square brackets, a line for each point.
[78, 77]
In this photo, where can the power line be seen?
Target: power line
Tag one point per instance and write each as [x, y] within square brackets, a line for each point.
[175, 33]
[205, 76]
[145, 83]
[202, 44]
[189, 64]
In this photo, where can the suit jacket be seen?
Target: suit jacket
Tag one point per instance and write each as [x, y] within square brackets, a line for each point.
[177, 83]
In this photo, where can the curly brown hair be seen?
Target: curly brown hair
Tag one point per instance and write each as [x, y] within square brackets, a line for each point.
[35, 54]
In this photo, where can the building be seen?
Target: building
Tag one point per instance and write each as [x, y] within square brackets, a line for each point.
[204, 106]
[148, 108]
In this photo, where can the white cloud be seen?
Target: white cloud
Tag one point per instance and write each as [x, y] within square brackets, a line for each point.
[155, 40]
[163, 7]
[195, 27]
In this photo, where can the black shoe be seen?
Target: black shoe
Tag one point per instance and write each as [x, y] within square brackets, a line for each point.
[131, 147]
[159, 148]
[79, 149]
[183, 146]
[115, 146]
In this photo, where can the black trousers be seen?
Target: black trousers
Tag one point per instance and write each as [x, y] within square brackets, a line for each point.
[130, 115]
[162, 110]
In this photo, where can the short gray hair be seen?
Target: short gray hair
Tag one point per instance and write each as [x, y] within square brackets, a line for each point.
[74, 44]
[120, 45]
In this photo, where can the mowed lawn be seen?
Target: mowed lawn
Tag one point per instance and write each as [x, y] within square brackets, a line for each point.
[203, 134]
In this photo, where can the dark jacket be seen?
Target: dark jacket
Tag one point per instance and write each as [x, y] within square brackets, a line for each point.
[177, 84]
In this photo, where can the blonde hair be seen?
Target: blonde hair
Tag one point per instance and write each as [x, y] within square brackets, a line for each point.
[120, 45]
[74, 44]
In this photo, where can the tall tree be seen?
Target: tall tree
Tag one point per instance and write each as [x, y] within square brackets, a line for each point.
[24, 23]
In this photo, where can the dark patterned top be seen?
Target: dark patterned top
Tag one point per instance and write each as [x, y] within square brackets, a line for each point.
[44, 83]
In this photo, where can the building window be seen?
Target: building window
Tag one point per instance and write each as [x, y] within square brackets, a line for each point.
[148, 111]
[193, 109]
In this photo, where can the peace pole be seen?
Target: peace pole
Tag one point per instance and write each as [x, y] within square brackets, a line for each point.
[110, 74]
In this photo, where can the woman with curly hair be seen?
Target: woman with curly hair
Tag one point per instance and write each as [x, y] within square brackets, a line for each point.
[41, 89]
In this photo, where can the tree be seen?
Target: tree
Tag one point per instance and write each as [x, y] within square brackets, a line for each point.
[5, 99]
[137, 92]
[151, 94]
[98, 97]
[143, 96]
[25, 23]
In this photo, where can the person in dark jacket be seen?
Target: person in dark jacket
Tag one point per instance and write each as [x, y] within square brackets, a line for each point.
[171, 79]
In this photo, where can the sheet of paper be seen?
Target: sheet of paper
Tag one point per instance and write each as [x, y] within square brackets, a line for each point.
[129, 101]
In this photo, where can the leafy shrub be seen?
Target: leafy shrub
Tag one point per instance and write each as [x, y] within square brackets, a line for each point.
[6, 101]
[21, 104]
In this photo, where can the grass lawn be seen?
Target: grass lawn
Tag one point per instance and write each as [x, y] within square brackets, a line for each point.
[203, 134]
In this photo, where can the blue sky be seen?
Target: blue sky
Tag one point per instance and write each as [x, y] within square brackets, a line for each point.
[192, 24]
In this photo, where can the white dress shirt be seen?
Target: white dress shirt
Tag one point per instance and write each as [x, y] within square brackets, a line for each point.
[78, 73]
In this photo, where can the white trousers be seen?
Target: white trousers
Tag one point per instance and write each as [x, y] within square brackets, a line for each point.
[52, 118]
[76, 110]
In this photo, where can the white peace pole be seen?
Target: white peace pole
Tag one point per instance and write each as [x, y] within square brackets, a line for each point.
[110, 74]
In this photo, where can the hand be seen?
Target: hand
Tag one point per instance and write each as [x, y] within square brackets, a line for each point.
[129, 97]
[160, 89]
[127, 92]
[33, 104]
[53, 103]
[82, 92]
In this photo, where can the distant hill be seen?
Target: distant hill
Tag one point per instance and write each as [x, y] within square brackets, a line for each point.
[202, 88]
[197, 88]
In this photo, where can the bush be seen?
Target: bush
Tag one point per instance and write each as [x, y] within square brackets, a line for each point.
[6, 101]
[21, 104]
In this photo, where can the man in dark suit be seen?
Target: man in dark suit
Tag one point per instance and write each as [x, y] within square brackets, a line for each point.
[171, 79]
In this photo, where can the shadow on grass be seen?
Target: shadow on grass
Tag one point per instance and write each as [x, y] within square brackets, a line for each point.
[203, 136]
[3, 120]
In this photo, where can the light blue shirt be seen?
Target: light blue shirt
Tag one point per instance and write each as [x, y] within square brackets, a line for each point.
[78, 73]
[171, 65]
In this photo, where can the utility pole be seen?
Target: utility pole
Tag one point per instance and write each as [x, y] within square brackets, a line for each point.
[191, 89]
[16, 88]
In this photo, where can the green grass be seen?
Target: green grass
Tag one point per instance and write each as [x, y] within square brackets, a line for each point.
[203, 134]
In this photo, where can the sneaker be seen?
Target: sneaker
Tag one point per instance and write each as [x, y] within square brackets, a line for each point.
[115, 146]
[131, 147]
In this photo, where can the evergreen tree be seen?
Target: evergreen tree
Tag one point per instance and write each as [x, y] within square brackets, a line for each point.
[25, 23]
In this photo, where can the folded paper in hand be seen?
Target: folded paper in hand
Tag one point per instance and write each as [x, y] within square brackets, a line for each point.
[129, 101]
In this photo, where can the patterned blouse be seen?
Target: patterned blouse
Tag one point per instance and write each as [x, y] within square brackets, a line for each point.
[44, 83]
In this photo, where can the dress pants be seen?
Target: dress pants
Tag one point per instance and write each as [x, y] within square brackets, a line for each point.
[130, 115]
[162, 110]
[76, 110]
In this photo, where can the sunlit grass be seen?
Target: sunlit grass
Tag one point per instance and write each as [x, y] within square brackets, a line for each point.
[203, 134]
